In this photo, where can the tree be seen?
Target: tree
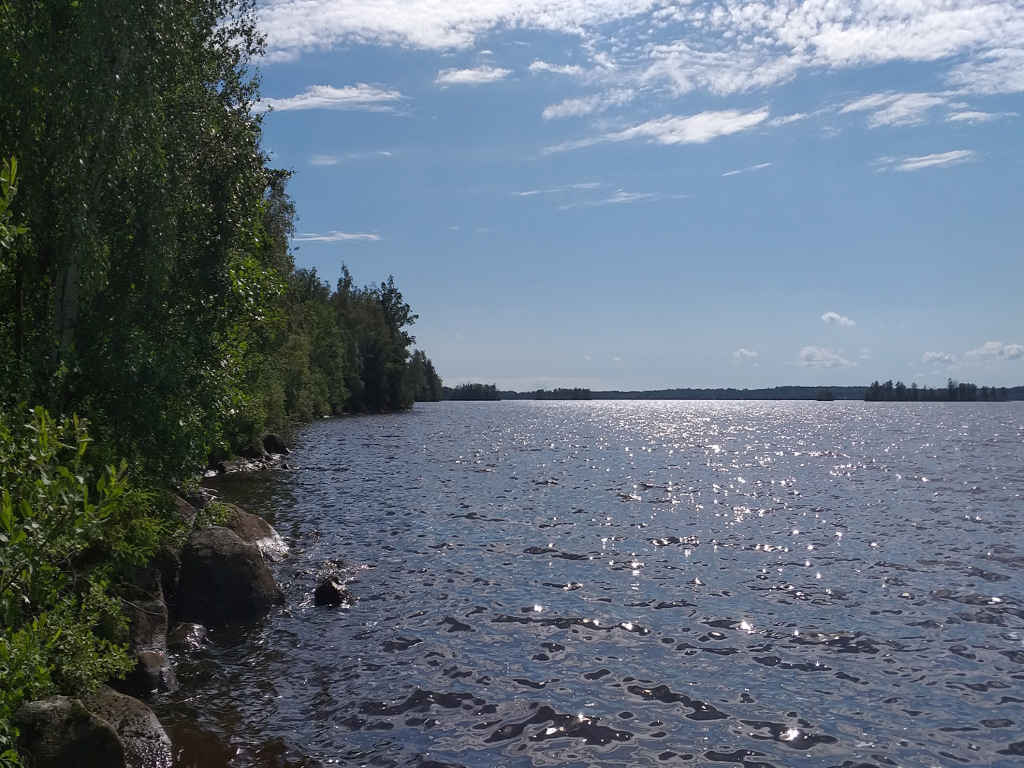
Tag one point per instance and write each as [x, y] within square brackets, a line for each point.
[144, 190]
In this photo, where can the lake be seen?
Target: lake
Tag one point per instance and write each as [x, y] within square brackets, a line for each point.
[636, 584]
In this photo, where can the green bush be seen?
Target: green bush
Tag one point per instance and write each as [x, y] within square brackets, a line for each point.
[67, 532]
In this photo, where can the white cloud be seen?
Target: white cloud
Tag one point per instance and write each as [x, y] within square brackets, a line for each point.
[796, 117]
[334, 237]
[994, 350]
[834, 318]
[673, 129]
[938, 358]
[693, 129]
[721, 46]
[997, 70]
[588, 104]
[748, 169]
[822, 357]
[621, 197]
[335, 159]
[973, 117]
[939, 160]
[474, 76]
[566, 188]
[359, 96]
[896, 109]
[558, 69]
[743, 354]
[432, 24]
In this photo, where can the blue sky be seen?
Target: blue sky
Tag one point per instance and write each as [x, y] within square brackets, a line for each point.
[635, 194]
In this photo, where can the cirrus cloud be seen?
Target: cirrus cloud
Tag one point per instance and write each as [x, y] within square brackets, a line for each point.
[334, 237]
[360, 96]
[677, 129]
[475, 76]
[938, 160]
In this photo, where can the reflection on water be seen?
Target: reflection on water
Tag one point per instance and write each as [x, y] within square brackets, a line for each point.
[636, 584]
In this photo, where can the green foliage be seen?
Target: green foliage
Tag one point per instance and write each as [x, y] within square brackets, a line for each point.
[426, 384]
[214, 513]
[66, 530]
[146, 281]
[8, 188]
[143, 186]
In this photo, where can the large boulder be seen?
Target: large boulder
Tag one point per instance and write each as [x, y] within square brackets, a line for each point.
[224, 579]
[59, 732]
[146, 744]
[255, 530]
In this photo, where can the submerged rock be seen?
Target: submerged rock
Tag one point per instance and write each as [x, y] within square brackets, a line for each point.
[331, 591]
[224, 579]
[186, 637]
[146, 744]
[255, 530]
[59, 732]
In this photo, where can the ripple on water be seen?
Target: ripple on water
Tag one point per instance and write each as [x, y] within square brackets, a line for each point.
[634, 584]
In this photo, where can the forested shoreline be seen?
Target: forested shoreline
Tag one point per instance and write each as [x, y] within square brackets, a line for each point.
[151, 313]
[898, 392]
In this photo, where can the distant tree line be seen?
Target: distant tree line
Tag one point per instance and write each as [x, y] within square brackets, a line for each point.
[472, 392]
[561, 393]
[771, 393]
[731, 393]
[962, 392]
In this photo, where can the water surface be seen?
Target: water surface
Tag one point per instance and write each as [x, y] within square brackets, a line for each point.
[637, 584]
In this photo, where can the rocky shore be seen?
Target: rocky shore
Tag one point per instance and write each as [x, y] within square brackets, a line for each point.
[214, 575]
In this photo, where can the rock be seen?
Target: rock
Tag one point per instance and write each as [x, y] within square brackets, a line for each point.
[239, 465]
[274, 444]
[146, 744]
[331, 591]
[147, 616]
[185, 512]
[200, 497]
[224, 578]
[59, 732]
[153, 672]
[195, 747]
[186, 637]
[168, 562]
[255, 530]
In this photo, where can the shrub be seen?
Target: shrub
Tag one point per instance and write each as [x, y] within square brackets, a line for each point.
[67, 532]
